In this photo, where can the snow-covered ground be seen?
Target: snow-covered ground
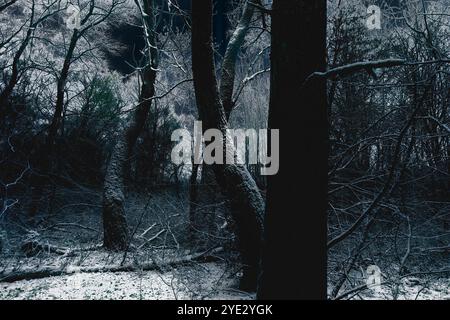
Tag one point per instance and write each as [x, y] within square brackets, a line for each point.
[79, 231]
[411, 288]
[205, 282]
[202, 281]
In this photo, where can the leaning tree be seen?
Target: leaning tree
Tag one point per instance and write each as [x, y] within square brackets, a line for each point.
[115, 227]
[247, 206]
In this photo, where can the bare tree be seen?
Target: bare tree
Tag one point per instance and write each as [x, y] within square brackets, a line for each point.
[231, 56]
[33, 23]
[114, 220]
[246, 202]
[206, 200]
[94, 16]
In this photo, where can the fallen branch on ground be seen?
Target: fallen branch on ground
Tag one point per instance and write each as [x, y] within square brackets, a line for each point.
[17, 275]
[33, 247]
[152, 238]
[76, 225]
[147, 230]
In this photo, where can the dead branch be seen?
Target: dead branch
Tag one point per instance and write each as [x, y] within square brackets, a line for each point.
[33, 247]
[152, 238]
[369, 66]
[50, 271]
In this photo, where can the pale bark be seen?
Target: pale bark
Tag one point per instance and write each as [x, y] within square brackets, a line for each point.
[231, 55]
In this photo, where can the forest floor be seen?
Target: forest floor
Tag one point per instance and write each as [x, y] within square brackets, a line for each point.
[205, 281]
[412, 288]
[424, 287]
[162, 263]
[71, 239]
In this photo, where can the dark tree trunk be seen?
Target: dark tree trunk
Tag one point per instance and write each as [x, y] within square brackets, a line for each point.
[115, 227]
[61, 86]
[294, 254]
[205, 218]
[193, 199]
[220, 25]
[246, 203]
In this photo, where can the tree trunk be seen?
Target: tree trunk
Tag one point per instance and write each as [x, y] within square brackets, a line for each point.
[61, 85]
[235, 181]
[193, 198]
[115, 236]
[230, 58]
[45, 159]
[114, 221]
[55, 271]
[204, 209]
[204, 218]
[294, 258]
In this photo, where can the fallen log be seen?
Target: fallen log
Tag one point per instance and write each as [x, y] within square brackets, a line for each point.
[51, 271]
[33, 247]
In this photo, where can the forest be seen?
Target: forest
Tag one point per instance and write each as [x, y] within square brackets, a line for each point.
[338, 186]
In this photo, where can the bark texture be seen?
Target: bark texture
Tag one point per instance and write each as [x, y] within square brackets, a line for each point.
[115, 227]
[231, 56]
[205, 217]
[246, 203]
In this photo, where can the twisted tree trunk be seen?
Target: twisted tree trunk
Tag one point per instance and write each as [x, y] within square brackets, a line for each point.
[246, 203]
[203, 218]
